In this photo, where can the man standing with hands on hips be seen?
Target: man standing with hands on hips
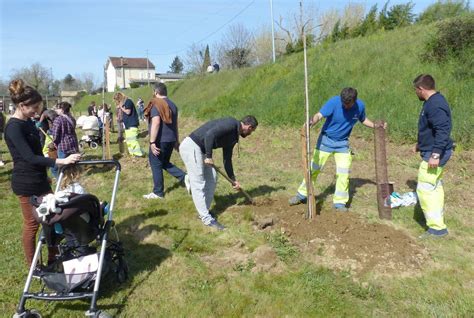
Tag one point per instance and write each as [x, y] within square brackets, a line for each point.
[435, 147]
[196, 152]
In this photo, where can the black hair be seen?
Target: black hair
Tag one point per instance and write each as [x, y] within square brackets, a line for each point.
[161, 89]
[250, 120]
[348, 95]
[425, 81]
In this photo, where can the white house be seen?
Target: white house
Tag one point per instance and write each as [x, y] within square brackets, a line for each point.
[121, 71]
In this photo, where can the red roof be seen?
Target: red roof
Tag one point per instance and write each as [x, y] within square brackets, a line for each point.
[131, 62]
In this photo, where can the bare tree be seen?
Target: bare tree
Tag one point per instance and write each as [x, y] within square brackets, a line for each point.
[236, 47]
[87, 81]
[262, 52]
[35, 75]
[194, 58]
[292, 28]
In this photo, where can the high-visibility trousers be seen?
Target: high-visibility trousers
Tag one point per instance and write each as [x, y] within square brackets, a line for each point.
[343, 167]
[431, 195]
[131, 138]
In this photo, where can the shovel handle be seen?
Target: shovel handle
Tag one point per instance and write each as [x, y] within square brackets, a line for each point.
[232, 182]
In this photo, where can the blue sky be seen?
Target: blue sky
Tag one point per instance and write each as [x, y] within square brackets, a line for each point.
[76, 36]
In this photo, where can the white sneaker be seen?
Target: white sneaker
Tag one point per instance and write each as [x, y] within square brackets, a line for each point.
[187, 184]
[152, 195]
[3, 163]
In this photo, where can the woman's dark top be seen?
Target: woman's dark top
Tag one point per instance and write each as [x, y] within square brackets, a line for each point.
[29, 175]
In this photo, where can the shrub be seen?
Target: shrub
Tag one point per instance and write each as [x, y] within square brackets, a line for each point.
[454, 37]
[134, 85]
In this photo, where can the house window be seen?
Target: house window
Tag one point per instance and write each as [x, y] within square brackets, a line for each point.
[119, 73]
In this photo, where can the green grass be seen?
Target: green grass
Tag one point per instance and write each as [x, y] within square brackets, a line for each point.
[166, 244]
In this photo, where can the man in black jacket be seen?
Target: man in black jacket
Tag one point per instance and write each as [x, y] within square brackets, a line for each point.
[435, 147]
[196, 152]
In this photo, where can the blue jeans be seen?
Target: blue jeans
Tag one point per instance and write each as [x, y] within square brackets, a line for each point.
[55, 169]
[160, 162]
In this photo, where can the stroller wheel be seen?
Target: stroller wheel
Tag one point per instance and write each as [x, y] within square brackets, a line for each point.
[94, 145]
[102, 314]
[33, 313]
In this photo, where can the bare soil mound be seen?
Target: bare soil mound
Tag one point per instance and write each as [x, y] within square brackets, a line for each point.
[342, 241]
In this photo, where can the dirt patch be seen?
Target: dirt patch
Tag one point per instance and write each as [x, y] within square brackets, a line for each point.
[239, 258]
[343, 241]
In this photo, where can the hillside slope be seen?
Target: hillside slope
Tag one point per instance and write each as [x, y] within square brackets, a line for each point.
[381, 67]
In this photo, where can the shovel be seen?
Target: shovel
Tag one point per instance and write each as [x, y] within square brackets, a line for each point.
[249, 198]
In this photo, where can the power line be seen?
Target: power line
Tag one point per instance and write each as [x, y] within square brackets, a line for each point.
[212, 33]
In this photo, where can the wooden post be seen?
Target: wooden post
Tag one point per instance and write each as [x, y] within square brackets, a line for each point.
[383, 186]
[107, 138]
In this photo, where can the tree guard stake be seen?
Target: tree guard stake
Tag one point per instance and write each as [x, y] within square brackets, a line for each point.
[383, 186]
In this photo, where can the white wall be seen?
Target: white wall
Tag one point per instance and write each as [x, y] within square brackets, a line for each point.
[111, 78]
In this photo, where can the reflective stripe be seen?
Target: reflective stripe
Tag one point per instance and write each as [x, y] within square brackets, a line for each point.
[428, 186]
[343, 170]
[341, 194]
[434, 214]
[315, 166]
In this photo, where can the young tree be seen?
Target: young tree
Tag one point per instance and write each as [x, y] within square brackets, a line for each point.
[176, 66]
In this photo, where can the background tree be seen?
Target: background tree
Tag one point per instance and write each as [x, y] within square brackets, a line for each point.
[69, 83]
[35, 75]
[206, 60]
[400, 15]
[235, 47]
[444, 9]
[86, 81]
[176, 66]
[194, 58]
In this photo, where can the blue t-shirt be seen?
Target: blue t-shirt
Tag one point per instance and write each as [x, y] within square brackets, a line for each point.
[340, 121]
[130, 120]
[167, 132]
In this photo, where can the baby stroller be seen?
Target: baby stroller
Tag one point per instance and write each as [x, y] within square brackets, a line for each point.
[92, 128]
[80, 229]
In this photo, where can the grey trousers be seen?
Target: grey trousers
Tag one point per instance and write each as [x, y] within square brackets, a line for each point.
[202, 178]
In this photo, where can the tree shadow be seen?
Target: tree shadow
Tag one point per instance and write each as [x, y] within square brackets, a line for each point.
[175, 186]
[222, 202]
[141, 257]
[418, 215]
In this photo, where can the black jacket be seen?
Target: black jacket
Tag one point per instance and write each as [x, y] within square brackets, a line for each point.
[434, 125]
[220, 133]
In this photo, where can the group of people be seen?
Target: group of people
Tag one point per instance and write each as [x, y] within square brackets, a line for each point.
[341, 113]
[434, 144]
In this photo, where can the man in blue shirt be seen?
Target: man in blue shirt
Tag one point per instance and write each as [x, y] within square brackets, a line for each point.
[435, 147]
[341, 113]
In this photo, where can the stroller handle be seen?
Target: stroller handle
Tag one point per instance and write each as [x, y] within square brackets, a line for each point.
[117, 165]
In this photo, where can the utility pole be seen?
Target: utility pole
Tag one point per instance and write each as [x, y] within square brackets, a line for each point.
[147, 74]
[123, 71]
[273, 31]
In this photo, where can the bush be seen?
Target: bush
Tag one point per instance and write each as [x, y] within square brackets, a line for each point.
[134, 85]
[454, 37]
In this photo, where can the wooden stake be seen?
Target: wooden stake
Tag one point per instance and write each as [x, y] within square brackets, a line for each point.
[383, 186]
[107, 138]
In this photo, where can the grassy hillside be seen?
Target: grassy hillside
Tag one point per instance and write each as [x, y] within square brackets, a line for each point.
[381, 67]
